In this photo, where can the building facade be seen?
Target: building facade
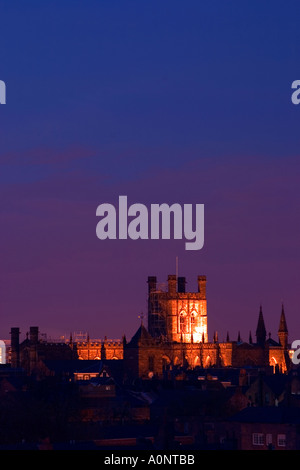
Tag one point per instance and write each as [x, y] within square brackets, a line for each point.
[177, 337]
[176, 315]
[106, 349]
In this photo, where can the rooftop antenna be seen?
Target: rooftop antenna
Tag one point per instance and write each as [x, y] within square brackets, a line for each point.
[176, 267]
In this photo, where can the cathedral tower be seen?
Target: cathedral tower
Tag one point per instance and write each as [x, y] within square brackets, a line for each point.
[176, 315]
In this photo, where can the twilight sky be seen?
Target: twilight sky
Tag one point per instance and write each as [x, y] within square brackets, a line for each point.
[162, 101]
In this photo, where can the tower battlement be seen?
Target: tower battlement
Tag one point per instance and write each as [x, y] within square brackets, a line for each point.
[177, 315]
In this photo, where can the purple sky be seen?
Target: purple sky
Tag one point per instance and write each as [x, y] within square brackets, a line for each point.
[162, 103]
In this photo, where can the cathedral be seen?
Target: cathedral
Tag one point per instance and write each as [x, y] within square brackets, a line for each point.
[177, 337]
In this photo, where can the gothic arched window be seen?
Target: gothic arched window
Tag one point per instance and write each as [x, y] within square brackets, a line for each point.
[192, 321]
[183, 325]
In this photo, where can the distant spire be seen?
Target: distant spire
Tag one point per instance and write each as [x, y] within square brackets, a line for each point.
[261, 329]
[282, 324]
[239, 337]
[282, 330]
[227, 337]
[250, 338]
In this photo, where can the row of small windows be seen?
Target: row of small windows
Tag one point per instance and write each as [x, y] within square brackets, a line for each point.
[260, 439]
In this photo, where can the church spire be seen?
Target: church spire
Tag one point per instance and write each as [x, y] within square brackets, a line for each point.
[250, 338]
[282, 330]
[282, 324]
[261, 329]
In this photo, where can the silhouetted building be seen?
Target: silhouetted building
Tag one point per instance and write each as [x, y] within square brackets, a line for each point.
[265, 428]
[31, 353]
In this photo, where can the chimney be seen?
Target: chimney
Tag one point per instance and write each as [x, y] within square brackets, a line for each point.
[181, 284]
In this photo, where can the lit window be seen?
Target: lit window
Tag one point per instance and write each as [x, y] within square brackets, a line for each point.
[258, 439]
[281, 440]
[182, 323]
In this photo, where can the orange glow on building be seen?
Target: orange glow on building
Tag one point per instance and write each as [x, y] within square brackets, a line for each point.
[177, 315]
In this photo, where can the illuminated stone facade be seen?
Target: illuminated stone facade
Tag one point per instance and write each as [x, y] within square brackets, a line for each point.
[177, 315]
[31, 353]
[98, 349]
[177, 337]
